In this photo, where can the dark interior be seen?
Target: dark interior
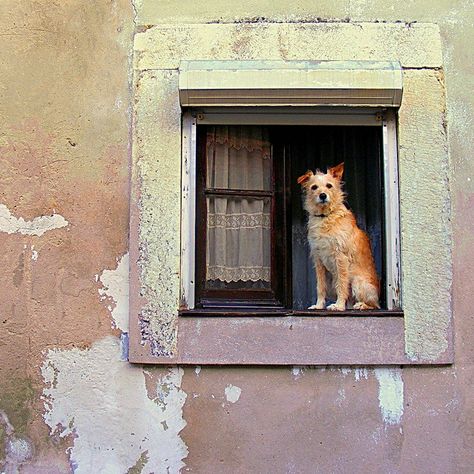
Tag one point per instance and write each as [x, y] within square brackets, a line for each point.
[319, 147]
[295, 150]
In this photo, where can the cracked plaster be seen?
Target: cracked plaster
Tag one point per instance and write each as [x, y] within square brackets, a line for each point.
[104, 404]
[38, 226]
[115, 292]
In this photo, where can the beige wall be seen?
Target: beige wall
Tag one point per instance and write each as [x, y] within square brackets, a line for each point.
[68, 399]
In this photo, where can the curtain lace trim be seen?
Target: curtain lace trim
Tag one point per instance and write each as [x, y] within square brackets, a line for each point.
[239, 221]
[217, 272]
[238, 142]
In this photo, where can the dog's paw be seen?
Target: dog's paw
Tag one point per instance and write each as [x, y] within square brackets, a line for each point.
[316, 306]
[360, 305]
[336, 307]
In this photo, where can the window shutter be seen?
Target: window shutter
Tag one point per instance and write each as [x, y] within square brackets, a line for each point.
[290, 83]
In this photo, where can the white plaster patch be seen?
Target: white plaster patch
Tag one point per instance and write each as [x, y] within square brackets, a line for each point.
[38, 226]
[34, 253]
[345, 371]
[297, 371]
[232, 393]
[341, 396]
[104, 404]
[390, 394]
[361, 373]
[115, 286]
[17, 449]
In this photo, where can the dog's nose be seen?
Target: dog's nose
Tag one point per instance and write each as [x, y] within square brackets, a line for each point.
[322, 196]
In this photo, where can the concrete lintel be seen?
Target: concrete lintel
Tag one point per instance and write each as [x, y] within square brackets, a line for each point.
[165, 46]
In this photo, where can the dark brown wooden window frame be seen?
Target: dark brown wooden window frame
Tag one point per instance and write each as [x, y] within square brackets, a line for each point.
[278, 295]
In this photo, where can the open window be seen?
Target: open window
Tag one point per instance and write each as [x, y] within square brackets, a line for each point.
[249, 238]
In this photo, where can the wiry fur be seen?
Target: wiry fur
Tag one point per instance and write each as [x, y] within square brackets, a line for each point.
[338, 246]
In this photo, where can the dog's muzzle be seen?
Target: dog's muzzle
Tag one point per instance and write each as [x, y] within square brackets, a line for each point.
[323, 198]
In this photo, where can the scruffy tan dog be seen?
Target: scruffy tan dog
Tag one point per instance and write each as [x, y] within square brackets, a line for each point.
[338, 246]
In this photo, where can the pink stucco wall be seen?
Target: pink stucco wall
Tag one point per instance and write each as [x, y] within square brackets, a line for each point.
[69, 402]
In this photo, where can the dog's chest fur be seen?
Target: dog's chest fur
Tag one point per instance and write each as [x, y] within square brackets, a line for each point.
[329, 237]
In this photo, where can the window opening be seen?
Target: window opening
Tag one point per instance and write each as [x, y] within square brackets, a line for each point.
[244, 241]
[251, 234]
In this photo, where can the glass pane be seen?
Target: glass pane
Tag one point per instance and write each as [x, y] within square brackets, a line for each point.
[238, 157]
[238, 242]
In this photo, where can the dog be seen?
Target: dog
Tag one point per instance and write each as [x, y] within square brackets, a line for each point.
[338, 246]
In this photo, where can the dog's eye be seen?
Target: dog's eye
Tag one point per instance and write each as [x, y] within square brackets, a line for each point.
[329, 185]
[314, 187]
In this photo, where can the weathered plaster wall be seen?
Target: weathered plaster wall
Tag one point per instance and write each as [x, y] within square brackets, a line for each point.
[68, 400]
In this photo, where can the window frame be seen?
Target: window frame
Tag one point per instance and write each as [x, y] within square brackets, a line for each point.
[274, 297]
[381, 117]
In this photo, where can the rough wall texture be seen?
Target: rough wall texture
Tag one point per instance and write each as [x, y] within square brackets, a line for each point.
[69, 402]
[159, 205]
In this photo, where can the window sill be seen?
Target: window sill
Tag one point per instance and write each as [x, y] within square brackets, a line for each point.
[272, 313]
[286, 338]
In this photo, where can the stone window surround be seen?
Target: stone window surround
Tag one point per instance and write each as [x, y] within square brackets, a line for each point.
[158, 335]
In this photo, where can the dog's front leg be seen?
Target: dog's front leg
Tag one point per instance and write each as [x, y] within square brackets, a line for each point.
[321, 285]
[341, 283]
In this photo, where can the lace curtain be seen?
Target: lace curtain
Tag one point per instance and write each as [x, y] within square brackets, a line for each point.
[238, 228]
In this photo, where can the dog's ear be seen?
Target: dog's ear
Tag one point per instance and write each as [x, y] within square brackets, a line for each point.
[302, 179]
[337, 171]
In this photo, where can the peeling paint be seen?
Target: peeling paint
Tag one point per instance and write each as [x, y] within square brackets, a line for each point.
[34, 254]
[18, 449]
[115, 288]
[38, 226]
[92, 56]
[232, 393]
[426, 256]
[360, 373]
[390, 394]
[297, 371]
[341, 396]
[156, 199]
[103, 402]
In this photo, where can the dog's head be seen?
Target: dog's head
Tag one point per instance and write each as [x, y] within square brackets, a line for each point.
[323, 190]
